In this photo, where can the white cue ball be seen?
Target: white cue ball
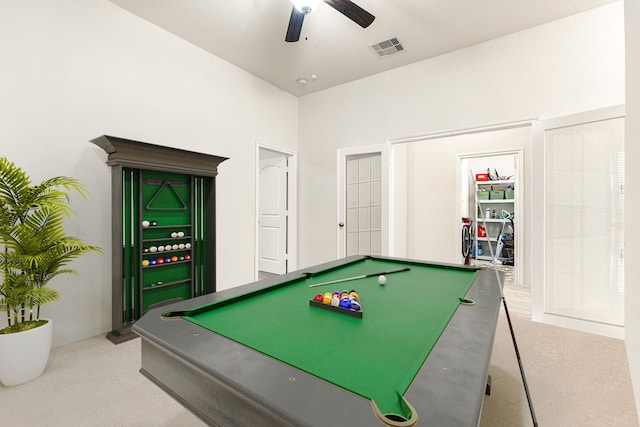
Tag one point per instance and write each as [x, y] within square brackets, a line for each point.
[145, 223]
[174, 234]
[382, 279]
[180, 233]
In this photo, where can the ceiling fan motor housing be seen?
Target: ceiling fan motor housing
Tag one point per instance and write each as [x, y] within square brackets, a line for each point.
[306, 6]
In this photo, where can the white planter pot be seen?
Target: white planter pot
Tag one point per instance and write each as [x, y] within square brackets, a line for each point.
[24, 355]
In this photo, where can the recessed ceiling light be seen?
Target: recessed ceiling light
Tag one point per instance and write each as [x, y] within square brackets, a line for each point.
[305, 80]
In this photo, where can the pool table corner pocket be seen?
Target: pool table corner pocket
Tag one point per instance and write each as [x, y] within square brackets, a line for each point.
[408, 419]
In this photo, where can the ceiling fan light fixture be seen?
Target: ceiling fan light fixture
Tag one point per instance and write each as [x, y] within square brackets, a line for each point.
[306, 6]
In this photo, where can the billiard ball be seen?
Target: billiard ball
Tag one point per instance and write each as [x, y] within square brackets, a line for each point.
[327, 299]
[167, 260]
[181, 258]
[335, 301]
[345, 303]
[153, 249]
[187, 256]
[145, 262]
[146, 223]
[174, 247]
[187, 245]
[160, 261]
[167, 248]
[180, 233]
[354, 294]
[160, 248]
[382, 279]
[174, 258]
[153, 223]
[355, 305]
[318, 298]
[152, 261]
[145, 250]
[181, 246]
[174, 234]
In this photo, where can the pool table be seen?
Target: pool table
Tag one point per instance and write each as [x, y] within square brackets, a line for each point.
[263, 354]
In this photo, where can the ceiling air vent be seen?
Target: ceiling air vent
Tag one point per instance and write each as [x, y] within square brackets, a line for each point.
[387, 48]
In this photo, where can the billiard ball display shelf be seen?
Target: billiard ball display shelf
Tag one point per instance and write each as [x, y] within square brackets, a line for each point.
[165, 197]
[165, 263]
[170, 217]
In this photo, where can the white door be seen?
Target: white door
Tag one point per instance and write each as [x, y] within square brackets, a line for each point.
[273, 215]
[362, 201]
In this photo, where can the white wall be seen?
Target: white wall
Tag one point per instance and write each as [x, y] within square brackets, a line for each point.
[632, 195]
[571, 65]
[74, 70]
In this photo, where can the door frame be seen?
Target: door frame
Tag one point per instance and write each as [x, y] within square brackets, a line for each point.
[292, 203]
[459, 132]
[341, 159]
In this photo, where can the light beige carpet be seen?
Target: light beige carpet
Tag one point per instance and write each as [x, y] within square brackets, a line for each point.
[576, 379]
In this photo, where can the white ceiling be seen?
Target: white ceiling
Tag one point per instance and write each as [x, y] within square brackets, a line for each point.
[250, 33]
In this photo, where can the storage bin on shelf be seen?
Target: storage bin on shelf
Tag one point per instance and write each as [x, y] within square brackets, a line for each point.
[496, 195]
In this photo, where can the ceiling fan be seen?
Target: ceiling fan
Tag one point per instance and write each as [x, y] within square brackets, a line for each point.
[304, 7]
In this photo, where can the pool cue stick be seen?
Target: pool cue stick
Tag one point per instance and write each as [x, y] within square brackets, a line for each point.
[506, 311]
[524, 378]
[360, 277]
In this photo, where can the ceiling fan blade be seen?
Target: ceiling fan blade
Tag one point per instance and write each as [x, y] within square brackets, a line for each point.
[352, 11]
[295, 25]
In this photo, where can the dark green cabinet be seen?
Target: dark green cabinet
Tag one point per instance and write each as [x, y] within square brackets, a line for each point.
[163, 227]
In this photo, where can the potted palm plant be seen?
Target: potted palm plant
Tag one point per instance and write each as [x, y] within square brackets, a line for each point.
[34, 249]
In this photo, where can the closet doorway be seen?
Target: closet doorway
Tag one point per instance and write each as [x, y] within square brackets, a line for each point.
[490, 195]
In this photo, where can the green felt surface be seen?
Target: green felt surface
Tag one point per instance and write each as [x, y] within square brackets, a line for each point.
[377, 356]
